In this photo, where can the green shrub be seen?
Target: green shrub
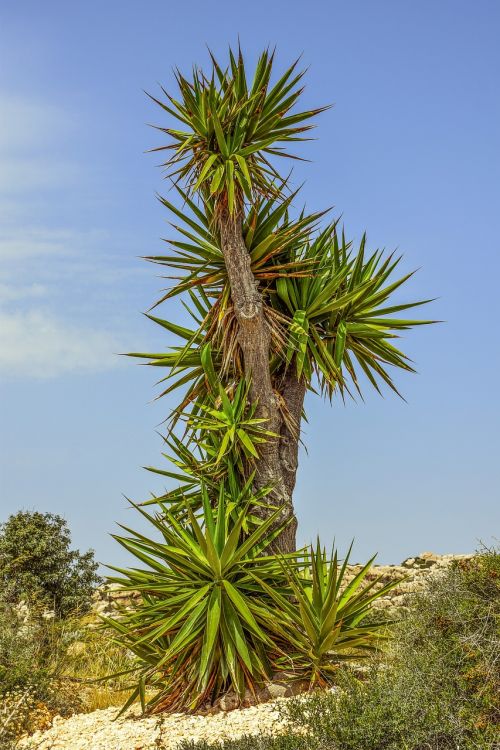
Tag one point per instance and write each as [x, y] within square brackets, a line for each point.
[49, 666]
[32, 648]
[37, 564]
[436, 689]
[252, 742]
[218, 613]
[202, 625]
[33, 655]
[324, 618]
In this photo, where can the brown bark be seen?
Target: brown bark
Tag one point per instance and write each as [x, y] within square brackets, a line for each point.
[277, 464]
[293, 392]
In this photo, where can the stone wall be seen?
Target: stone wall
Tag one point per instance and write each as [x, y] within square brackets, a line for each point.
[415, 570]
[108, 599]
[413, 574]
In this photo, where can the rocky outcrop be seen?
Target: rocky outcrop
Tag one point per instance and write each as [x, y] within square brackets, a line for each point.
[109, 599]
[413, 575]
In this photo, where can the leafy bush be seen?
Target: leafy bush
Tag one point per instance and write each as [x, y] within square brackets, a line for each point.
[43, 582]
[218, 613]
[48, 666]
[324, 619]
[37, 564]
[33, 655]
[201, 624]
[32, 648]
[437, 689]
[256, 742]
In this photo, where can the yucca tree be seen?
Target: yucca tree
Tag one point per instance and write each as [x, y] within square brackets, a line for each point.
[323, 619]
[277, 300]
[202, 624]
[217, 613]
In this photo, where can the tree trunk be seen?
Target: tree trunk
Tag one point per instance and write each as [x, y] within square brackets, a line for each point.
[293, 392]
[277, 464]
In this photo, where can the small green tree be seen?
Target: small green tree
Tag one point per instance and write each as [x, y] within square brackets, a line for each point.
[38, 564]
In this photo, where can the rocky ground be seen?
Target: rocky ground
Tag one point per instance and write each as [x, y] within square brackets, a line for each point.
[98, 731]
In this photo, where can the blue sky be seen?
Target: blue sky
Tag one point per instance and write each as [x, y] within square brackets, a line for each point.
[410, 152]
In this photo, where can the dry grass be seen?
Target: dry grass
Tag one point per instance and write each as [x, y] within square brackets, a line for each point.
[92, 657]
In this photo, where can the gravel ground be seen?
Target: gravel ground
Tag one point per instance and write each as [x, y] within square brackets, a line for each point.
[98, 731]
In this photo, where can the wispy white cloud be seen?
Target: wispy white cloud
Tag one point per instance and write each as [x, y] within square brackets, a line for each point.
[14, 293]
[19, 174]
[86, 261]
[30, 132]
[25, 243]
[76, 271]
[27, 123]
[37, 344]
